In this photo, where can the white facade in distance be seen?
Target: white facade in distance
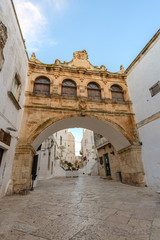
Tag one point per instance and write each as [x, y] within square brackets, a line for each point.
[71, 148]
[55, 150]
[13, 75]
[143, 73]
[61, 137]
[46, 158]
[89, 152]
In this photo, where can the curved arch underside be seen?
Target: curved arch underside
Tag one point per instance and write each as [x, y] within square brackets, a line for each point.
[118, 140]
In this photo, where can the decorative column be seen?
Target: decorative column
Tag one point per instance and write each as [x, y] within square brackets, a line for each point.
[131, 165]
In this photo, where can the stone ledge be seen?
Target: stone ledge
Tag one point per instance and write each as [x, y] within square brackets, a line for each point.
[14, 100]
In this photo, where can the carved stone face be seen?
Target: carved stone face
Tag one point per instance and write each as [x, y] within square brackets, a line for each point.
[3, 39]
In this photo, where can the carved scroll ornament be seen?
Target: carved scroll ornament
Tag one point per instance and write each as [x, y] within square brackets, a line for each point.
[3, 39]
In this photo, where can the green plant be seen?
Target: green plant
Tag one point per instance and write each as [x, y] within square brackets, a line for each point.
[48, 68]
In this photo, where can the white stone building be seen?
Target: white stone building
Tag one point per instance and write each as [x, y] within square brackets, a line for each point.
[71, 148]
[55, 150]
[144, 88]
[89, 152]
[13, 75]
[61, 137]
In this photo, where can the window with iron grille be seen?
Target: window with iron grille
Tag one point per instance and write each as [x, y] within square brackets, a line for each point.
[42, 86]
[155, 89]
[69, 88]
[15, 91]
[117, 93]
[94, 91]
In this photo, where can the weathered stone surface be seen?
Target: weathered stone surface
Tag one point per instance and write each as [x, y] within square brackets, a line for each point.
[81, 208]
[42, 112]
[3, 39]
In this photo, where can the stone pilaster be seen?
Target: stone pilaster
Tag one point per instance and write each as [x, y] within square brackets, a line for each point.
[22, 167]
[131, 166]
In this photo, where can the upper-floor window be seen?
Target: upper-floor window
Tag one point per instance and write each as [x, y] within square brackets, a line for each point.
[69, 88]
[3, 39]
[117, 93]
[94, 91]
[155, 89]
[16, 87]
[42, 86]
[15, 91]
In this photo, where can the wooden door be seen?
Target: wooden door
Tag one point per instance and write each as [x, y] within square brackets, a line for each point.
[108, 170]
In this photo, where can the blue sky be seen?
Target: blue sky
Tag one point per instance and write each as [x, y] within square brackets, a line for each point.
[78, 134]
[112, 32]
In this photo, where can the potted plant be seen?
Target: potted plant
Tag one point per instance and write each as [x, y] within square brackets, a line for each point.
[68, 170]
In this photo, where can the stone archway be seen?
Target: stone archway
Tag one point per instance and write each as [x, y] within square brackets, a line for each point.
[129, 149]
[44, 115]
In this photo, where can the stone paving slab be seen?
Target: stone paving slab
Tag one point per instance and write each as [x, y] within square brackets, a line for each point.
[83, 208]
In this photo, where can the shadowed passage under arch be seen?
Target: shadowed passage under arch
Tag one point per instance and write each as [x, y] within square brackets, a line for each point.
[118, 140]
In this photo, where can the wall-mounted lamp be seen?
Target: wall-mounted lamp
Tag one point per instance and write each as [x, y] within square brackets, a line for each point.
[11, 129]
[112, 152]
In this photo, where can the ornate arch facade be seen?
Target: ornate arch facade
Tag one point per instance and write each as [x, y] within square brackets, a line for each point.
[43, 115]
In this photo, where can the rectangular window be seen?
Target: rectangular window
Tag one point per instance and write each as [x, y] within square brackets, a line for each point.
[14, 94]
[155, 89]
[16, 87]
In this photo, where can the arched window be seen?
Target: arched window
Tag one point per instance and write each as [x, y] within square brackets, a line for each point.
[42, 86]
[117, 93]
[69, 88]
[94, 91]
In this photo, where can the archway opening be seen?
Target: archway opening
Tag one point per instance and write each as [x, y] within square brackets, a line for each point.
[130, 163]
[114, 136]
[55, 143]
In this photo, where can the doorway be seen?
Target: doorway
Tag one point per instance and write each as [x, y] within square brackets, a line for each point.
[108, 170]
[1, 155]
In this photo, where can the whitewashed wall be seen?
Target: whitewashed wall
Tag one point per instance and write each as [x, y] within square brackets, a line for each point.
[71, 148]
[144, 74]
[56, 155]
[16, 61]
[88, 148]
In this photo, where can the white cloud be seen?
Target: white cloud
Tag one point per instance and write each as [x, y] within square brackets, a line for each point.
[31, 20]
[57, 5]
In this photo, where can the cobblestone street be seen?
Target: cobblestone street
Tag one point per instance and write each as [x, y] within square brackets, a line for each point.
[81, 208]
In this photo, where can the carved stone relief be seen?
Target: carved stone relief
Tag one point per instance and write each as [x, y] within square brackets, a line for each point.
[82, 104]
[3, 39]
[81, 55]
